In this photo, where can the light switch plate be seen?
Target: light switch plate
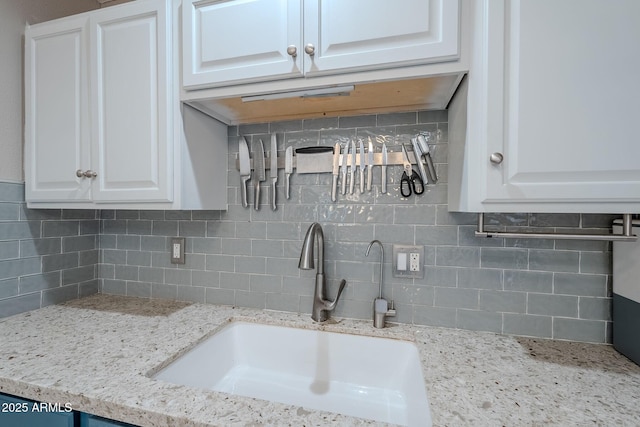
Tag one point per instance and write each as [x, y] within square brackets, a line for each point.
[408, 261]
[177, 250]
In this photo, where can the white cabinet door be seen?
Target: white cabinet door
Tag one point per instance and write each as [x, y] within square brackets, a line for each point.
[571, 98]
[56, 111]
[131, 114]
[240, 41]
[372, 34]
[553, 88]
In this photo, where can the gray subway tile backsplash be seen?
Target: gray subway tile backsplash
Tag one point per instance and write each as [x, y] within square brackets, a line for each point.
[243, 257]
[9, 212]
[8, 288]
[47, 256]
[579, 330]
[528, 325]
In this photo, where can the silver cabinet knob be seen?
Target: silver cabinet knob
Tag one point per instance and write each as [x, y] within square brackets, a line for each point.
[310, 49]
[496, 158]
[86, 174]
[292, 51]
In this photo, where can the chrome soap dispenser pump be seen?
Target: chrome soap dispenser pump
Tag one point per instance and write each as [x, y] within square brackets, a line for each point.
[381, 307]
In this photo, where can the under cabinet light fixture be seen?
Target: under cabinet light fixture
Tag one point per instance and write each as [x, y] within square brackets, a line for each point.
[306, 93]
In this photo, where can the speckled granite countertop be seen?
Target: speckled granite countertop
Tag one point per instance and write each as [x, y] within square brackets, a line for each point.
[95, 353]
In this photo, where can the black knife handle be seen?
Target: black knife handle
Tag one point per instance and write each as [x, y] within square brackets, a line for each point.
[314, 150]
[273, 195]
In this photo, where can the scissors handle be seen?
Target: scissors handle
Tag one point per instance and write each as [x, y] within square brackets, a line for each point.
[417, 189]
[405, 185]
[411, 184]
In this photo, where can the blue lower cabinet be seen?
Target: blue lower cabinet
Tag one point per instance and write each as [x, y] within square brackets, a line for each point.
[16, 412]
[88, 420]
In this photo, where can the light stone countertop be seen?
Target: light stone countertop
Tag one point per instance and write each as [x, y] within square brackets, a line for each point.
[95, 353]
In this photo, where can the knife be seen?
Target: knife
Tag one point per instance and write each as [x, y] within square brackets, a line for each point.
[288, 169]
[384, 168]
[245, 169]
[418, 154]
[258, 167]
[362, 166]
[370, 166]
[343, 169]
[336, 167]
[273, 170]
[352, 169]
[424, 148]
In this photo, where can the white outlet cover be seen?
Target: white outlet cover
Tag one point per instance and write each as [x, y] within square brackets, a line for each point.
[414, 261]
[177, 250]
[402, 265]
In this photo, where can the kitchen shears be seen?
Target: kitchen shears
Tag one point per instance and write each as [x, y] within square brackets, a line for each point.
[410, 183]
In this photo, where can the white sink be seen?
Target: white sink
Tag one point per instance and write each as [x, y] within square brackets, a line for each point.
[374, 378]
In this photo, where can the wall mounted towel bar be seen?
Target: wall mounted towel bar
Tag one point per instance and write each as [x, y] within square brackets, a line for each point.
[626, 236]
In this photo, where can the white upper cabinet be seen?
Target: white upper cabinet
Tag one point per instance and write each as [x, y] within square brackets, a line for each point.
[341, 36]
[57, 117]
[104, 124]
[242, 41]
[130, 86]
[547, 124]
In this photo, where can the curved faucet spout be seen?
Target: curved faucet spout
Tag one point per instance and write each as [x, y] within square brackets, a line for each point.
[381, 263]
[306, 254]
[321, 306]
[381, 308]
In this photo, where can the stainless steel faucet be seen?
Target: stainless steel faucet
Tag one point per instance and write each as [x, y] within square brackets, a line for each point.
[321, 306]
[381, 308]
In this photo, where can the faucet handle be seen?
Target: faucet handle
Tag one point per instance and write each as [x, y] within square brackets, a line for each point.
[331, 305]
[343, 283]
[392, 309]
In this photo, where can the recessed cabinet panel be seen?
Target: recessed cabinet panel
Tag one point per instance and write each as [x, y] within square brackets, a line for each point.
[240, 40]
[548, 123]
[571, 98]
[56, 111]
[368, 34]
[130, 86]
[248, 41]
[104, 128]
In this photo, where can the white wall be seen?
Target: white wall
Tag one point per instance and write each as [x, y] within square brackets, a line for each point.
[14, 15]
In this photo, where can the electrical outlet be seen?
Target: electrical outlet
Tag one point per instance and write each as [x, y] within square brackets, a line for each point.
[177, 250]
[407, 261]
[414, 261]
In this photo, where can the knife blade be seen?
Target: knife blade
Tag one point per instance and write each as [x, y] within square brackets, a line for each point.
[336, 168]
[245, 169]
[370, 166]
[384, 167]
[258, 167]
[431, 170]
[362, 166]
[288, 169]
[273, 170]
[343, 169]
[418, 155]
[352, 169]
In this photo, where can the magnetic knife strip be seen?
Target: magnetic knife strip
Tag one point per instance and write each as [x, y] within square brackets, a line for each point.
[394, 158]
